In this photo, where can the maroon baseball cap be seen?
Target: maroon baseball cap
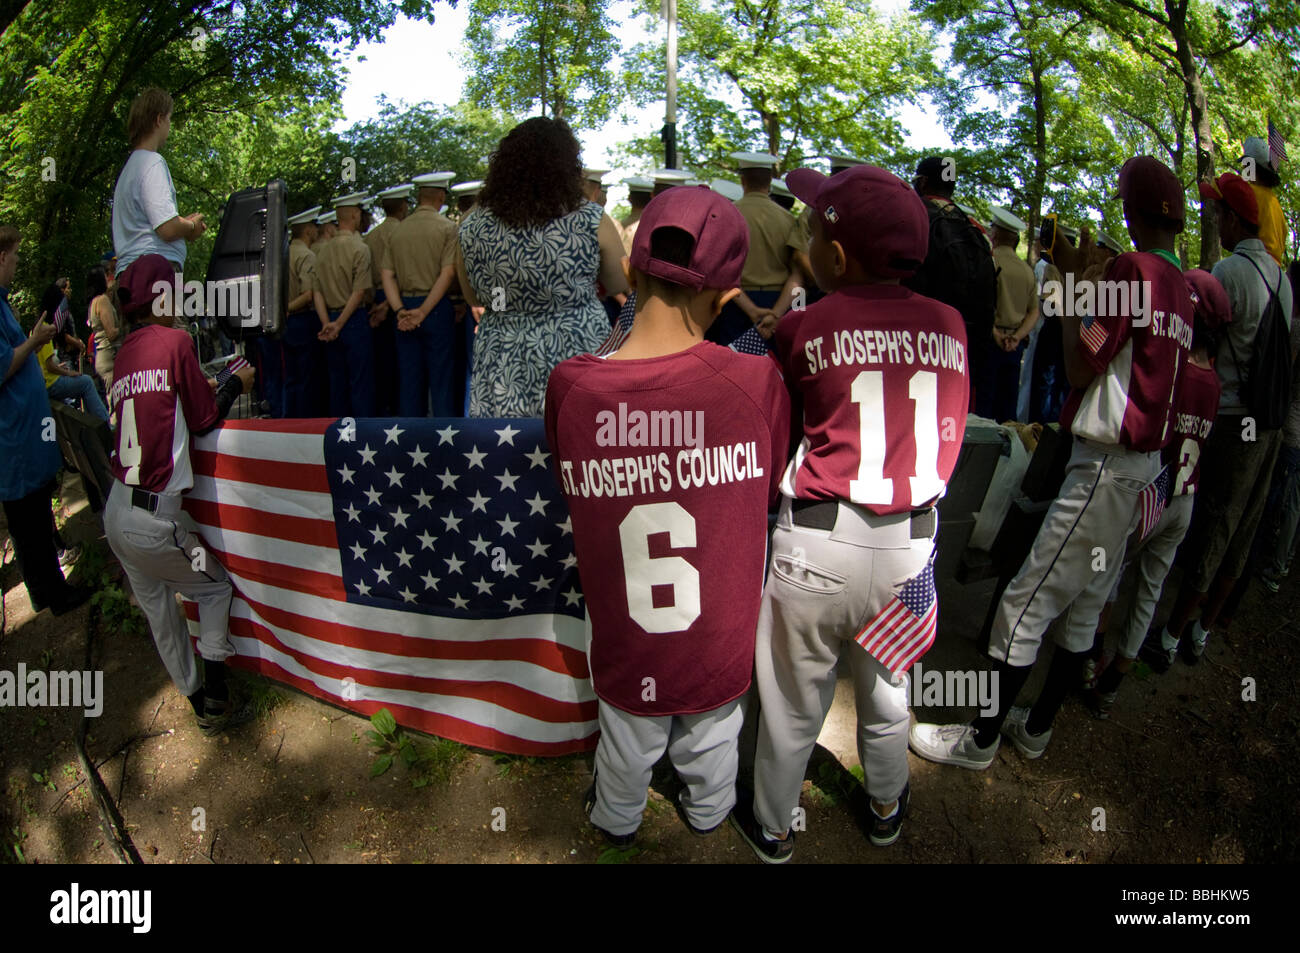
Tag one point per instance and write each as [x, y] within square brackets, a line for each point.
[1208, 297]
[1236, 192]
[877, 218]
[1148, 185]
[136, 284]
[720, 233]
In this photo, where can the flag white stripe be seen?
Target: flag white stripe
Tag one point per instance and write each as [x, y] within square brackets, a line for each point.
[906, 649]
[271, 549]
[266, 445]
[271, 500]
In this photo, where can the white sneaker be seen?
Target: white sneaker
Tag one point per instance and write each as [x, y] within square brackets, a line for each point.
[1031, 746]
[1199, 638]
[951, 744]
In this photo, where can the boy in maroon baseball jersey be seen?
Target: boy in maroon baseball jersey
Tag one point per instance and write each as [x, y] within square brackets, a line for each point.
[669, 451]
[161, 396]
[1196, 403]
[882, 376]
[1123, 362]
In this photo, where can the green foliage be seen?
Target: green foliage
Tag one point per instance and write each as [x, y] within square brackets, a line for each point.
[618, 855]
[425, 763]
[544, 55]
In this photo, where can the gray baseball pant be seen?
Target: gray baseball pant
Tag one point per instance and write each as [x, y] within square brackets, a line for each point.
[1076, 555]
[1155, 556]
[158, 552]
[823, 587]
[703, 748]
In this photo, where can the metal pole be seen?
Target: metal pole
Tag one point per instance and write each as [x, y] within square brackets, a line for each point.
[670, 117]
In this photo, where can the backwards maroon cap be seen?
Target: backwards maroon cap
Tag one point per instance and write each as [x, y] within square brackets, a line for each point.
[1208, 297]
[1236, 192]
[877, 218]
[136, 284]
[720, 233]
[1149, 186]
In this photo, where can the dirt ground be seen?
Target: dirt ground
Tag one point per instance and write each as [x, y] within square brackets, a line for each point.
[1186, 771]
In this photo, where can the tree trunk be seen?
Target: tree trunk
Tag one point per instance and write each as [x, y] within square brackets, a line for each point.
[1038, 180]
[1200, 127]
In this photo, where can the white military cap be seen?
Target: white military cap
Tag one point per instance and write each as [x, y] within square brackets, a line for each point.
[359, 199]
[728, 190]
[754, 160]
[1071, 233]
[397, 192]
[304, 218]
[595, 175]
[1105, 241]
[967, 209]
[329, 218]
[473, 187]
[1003, 218]
[845, 162]
[639, 183]
[780, 188]
[1256, 148]
[671, 176]
[694, 182]
[434, 180]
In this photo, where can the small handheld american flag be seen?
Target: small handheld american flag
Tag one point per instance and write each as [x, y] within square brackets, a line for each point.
[236, 364]
[1276, 146]
[904, 629]
[1151, 502]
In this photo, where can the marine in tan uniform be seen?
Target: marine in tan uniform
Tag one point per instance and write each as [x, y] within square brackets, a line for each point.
[305, 383]
[639, 193]
[396, 203]
[418, 269]
[342, 282]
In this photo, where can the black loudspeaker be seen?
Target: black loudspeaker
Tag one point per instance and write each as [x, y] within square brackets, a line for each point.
[247, 283]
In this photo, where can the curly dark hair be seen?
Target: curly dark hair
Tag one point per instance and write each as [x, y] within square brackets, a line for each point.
[535, 175]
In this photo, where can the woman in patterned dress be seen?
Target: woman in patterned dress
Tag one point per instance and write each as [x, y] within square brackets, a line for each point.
[531, 253]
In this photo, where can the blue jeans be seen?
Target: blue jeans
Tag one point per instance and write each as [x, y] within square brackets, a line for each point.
[425, 364]
[82, 388]
[352, 373]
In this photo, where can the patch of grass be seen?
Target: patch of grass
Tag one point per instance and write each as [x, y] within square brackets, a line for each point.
[426, 763]
[263, 694]
[618, 855]
[833, 786]
[514, 764]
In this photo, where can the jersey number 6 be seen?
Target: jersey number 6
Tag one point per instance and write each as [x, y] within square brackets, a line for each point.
[642, 572]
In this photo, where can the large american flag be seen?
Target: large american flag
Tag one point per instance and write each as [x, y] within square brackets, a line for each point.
[424, 566]
[904, 629]
[1152, 501]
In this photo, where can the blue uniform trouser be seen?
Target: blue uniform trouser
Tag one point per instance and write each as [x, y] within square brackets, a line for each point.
[272, 373]
[997, 382]
[306, 384]
[383, 340]
[352, 371]
[733, 322]
[425, 364]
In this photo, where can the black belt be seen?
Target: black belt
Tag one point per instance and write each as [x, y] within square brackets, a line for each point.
[821, 514]
[144, 499]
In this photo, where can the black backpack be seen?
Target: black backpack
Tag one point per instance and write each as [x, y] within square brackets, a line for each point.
[1265, 385]
[959, 271]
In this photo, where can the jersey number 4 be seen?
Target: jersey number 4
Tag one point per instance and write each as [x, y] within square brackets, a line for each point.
[872, 486]
[129, 453]
[642, 572]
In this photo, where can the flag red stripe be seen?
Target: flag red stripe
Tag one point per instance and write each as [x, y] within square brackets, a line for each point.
[910, 649]
[307, 581]
[244, 519]
[903, 638]
[310, 477]
[881, 626]
[307, 425]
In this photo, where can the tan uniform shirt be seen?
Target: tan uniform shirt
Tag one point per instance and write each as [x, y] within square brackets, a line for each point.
[629, 236]
[1017, 289]
[770, 233]
[420, 247]
[377, 240]
[342, 267]
[302, 269]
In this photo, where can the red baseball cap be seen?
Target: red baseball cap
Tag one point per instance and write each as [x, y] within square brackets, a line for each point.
[136, 284]
[876, 217]
[720, 233]
[1149, 186]
[1209, 298]
[1236, 192]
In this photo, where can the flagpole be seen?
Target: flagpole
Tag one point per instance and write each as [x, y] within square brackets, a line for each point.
[669, 9]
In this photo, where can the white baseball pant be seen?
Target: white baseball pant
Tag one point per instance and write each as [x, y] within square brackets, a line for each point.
[703, 748]
[157, 550]
[823, 587]
[1076, 555]
[1155, 556]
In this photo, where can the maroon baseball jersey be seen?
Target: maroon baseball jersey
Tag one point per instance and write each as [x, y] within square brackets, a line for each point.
[1196, 403]
[669, 465]
[1137, 357]
[882, 374]
[160, 395]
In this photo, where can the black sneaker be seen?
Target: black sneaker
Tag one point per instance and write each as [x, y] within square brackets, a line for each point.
[768, 851]
[220, 714]
[588, 805]
[885, 830]
[697, 831]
